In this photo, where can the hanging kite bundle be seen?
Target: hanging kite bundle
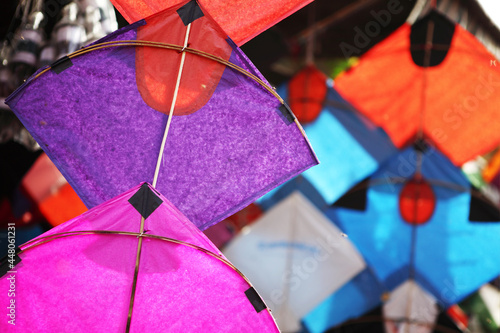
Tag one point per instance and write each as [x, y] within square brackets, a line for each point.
[171, 101]
[428, 84]
[185, 111]
[27, 47]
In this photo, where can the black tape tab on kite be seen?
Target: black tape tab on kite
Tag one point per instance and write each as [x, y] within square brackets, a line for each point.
[421, 145]
[190, 12]
[254, 298]
[355, 198]
[442, 35]
[481, 210]
[8, 262]
[286, 113]
[61, 65]
[145, 201]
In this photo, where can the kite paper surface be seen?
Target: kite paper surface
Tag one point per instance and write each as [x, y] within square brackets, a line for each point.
[449, 255]
[241, 20]
[102, 120]
[82, 282]
[295, 257]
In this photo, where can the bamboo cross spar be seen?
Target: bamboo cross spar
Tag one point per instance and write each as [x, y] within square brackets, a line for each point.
[155, 178]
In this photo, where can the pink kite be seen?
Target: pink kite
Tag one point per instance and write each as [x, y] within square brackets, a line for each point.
[100, 273]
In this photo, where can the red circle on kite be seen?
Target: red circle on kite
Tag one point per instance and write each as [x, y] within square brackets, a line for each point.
[417, 201]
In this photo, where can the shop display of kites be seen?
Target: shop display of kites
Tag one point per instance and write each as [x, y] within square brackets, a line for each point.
[157, 181]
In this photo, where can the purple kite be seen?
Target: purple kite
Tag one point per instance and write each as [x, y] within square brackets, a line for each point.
[102, 115]
[84, 276]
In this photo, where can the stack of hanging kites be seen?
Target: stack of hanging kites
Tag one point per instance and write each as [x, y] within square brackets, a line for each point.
[166, 134]
[411, 212]
[440, 88]
[185, 114]
[431, 83]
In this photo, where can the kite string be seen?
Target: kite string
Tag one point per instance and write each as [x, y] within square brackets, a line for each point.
[172, 106]
[311, 38]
